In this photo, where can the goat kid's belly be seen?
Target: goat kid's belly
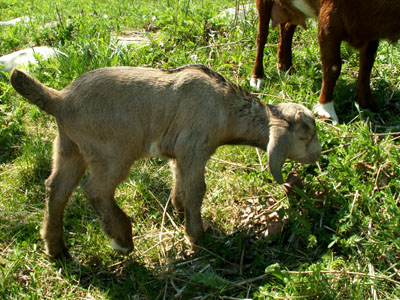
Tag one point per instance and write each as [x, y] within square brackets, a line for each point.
[127, 148]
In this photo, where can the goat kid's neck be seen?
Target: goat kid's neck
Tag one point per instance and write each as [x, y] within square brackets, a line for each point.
[249, 124]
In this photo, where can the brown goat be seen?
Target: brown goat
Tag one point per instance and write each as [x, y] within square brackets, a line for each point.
[110, 117]
[361, 23]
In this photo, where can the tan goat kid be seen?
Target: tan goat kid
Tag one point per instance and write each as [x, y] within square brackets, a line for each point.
[110, 117]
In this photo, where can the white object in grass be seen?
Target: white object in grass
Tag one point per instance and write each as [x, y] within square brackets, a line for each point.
[23, 57]
[14, 22]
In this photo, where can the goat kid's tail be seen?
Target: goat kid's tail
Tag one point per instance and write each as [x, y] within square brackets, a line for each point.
[34, 91]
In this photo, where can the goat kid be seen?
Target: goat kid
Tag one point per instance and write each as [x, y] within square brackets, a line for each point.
[110, 117]
[361, 23]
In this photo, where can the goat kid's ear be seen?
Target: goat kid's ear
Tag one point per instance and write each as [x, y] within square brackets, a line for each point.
[278, 148]
[301, 127]
[298, 115]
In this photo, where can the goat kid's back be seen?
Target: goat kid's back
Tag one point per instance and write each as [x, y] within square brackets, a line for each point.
[131, 103]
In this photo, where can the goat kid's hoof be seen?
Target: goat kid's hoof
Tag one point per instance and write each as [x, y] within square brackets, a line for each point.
[120, 249]
[197, 240]
[257, 83]
[180, 213]
[59, 253]
[326, 111]
[196, 245]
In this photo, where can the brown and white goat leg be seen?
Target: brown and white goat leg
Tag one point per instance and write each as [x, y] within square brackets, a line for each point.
[363, 89]
[331, 67]
[330, 37]
[264, 8]
[285, 46]
[68, 169]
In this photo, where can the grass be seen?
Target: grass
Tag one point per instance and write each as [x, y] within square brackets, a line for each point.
[340, 237]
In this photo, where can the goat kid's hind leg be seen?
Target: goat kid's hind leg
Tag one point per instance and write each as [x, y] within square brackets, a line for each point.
[189, 176]
[367, 57]
[68, 168]
[99, 188]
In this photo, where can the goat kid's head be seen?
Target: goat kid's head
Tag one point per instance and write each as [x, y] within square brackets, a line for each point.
[293, 136]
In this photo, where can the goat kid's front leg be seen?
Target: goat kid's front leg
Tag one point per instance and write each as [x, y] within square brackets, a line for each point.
[190, 188]
[363, 90]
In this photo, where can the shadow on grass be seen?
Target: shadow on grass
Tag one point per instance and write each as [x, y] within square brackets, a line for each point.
[223, 265]
[124, 279]
[388, 102]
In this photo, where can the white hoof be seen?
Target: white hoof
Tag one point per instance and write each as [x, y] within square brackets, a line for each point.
[119, 248]
[257, 83]
[326, 111]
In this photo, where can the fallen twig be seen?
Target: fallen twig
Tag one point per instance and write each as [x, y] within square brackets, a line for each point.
[216, 255]
[264, 276]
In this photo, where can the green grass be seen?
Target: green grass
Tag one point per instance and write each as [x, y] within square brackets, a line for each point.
[341, 233]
